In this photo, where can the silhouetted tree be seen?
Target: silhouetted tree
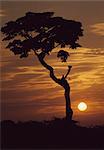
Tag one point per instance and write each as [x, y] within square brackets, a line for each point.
[42, 32]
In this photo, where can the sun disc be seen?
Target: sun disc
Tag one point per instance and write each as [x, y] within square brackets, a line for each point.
[82, 106]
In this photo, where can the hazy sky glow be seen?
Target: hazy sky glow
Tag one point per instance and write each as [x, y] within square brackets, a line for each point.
[28, 93]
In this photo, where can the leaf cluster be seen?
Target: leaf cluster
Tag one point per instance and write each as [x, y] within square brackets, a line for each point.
[41, 32]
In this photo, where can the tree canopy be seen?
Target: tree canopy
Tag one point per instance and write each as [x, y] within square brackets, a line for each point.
[41, 32]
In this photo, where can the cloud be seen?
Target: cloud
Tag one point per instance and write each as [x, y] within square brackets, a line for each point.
[27, 84]
[2, 13]
[98, 28]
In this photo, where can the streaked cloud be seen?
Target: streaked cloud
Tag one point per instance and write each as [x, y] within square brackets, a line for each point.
[98, 28]
[2, 13]
[26, 85]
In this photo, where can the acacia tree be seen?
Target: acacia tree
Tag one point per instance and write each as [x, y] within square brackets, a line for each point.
[41, 33]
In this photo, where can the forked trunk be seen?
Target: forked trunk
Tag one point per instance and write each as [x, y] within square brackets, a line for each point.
[62, 82]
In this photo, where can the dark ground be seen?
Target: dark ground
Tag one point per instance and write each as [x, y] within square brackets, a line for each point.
[57, 133]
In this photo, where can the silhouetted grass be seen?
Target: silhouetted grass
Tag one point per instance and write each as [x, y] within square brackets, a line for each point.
[57, 133]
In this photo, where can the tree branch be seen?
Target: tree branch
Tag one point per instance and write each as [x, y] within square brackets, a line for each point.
[69, 68]
[62, 82]
[48, 67]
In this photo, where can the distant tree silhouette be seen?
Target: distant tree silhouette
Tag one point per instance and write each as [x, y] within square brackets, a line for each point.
[42, 32]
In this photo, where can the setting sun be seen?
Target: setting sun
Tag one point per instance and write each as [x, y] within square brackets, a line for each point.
[82, 106]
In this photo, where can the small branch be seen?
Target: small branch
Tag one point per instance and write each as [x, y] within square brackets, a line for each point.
[69, 68]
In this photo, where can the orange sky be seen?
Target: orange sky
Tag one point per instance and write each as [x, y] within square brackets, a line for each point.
[28, 93]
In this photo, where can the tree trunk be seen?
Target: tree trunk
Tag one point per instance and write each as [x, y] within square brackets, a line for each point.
[62, 82]
[69, 111]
